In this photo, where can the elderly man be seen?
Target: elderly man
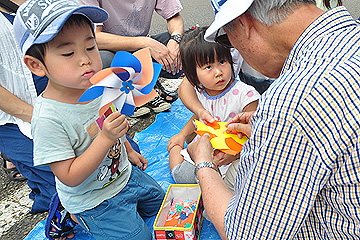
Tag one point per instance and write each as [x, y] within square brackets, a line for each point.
[299, 172]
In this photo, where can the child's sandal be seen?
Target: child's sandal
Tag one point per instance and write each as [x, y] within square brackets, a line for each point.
[12, 173]
[165, 94]
[58, 223]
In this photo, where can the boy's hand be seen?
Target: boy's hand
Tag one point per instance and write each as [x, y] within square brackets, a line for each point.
[115, 126]
[138, 160]
[175, 140]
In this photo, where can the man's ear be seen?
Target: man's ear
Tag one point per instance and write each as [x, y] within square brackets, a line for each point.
[35, 65]
[246, 22]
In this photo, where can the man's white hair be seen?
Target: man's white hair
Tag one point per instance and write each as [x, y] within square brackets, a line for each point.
[270, 12]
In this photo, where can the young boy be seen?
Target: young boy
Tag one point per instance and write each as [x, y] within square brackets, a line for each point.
[95, 179]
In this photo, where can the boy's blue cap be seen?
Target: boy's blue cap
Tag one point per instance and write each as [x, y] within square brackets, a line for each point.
[38, 21]
[225, 12]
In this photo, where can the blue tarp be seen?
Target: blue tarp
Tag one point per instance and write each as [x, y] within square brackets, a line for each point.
[152, 142]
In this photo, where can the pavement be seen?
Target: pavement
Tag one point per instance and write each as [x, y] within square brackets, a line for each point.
[15, 220]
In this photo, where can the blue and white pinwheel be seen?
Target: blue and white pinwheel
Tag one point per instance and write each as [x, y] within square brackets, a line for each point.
[128, 83]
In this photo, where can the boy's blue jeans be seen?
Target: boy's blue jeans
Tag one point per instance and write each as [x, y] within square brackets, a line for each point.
[121, 216]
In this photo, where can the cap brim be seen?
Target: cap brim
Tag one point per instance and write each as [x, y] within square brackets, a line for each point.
[230, 10]
[93, 13]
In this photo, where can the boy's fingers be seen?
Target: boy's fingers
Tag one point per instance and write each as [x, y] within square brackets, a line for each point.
[113, 116]
[144, 166]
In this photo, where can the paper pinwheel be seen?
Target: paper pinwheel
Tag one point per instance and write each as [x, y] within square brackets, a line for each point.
[228, 143]
[128, 83]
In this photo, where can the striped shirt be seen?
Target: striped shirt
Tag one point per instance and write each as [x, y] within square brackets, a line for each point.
[299, 174]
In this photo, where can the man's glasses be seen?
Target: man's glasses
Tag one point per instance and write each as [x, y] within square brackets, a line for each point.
[222, 39]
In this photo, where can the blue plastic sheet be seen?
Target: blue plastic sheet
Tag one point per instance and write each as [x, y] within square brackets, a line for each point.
[152, 142]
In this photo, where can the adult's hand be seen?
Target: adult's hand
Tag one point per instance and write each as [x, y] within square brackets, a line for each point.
[173, 47]
[161, 54]
[216, 195]
[175, 25]
[240, 124]
[201, 150]
[224, 159]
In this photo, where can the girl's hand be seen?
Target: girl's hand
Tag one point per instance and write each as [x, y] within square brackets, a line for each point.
[206, 117]
[115, 126]
[175, 140]
[137, 159]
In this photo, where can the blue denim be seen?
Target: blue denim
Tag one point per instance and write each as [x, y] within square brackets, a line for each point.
[19, 149]
[121, 216]
[260, 84]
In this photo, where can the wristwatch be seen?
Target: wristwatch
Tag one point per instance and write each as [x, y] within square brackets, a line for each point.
[176, 37]
[205, 164]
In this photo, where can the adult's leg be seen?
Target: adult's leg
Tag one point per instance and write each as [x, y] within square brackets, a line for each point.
[19, 149]
[231, 174]
[106, 58]
[260, 84]
[10, 169]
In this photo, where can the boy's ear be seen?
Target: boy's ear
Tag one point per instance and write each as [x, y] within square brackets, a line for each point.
[35, 65]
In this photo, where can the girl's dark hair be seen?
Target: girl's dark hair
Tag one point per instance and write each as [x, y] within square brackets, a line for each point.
[38, 50]
[195, 51]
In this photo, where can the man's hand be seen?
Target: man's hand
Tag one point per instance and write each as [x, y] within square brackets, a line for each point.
[201, 150]
[240, 124]
[161, 54]
[224, 159]
[173, 47]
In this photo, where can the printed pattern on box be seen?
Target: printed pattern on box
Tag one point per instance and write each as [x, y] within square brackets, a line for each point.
[181, 192]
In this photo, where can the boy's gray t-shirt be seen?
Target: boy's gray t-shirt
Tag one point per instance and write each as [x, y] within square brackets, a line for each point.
[62, 131]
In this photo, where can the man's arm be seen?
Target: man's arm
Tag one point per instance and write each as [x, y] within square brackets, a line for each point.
[175, 25]
[215, 194]
[14, 106]
[113, 42]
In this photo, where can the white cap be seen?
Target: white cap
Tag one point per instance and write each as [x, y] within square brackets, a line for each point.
[225, 12]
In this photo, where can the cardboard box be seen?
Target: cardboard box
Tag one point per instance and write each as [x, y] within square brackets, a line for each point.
[180, 193]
